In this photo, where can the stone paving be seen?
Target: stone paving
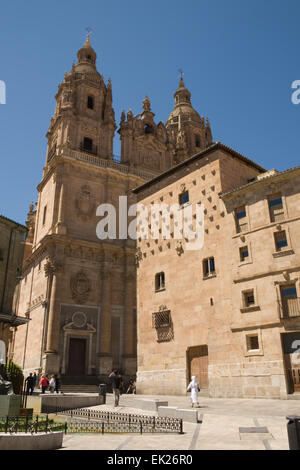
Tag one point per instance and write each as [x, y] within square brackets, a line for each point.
[221, 426]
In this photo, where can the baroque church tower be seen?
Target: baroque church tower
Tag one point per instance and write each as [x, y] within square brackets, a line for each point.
[188, 132]
[78, 291]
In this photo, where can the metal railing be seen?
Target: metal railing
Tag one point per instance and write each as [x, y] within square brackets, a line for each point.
[289, 308]
[38, 424]
[108, 421]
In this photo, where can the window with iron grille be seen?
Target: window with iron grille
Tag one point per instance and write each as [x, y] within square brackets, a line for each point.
[276, 207]
[161, 319]
[252, 342]
[248, 298]
[280, 240]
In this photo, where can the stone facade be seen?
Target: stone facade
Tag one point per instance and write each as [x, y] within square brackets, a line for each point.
[12, 236]
[78, 291]
[229, 312]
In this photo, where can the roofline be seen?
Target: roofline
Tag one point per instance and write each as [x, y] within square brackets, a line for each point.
[212, 148]
[13, 222]
[258, 182]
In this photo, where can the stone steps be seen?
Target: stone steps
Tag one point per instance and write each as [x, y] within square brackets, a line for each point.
[67, 388]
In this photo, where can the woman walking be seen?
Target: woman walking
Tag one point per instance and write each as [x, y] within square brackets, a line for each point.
[44, 383]
[194, 388]
[52, 384]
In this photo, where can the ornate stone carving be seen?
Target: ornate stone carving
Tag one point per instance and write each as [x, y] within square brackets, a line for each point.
[79, 319]
[80, 287]
[51, 266]
[85, 203]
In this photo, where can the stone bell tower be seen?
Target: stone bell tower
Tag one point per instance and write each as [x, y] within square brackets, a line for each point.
[144, 143]
[78, 289]
[84, 118]
[188, 133]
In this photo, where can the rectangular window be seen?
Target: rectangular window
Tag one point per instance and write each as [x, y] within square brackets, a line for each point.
[159, 281]
[44, 215]
[289, 302]
[87, 144]
[276, 207]
[209, 267]
[244, 253]
[184, 198]
[289, 291]
[280, 240]
[90, 102]
[241, 219]
[252, 343]
[249, 299]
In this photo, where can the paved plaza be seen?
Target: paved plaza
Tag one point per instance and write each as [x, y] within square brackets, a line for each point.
[224, 424]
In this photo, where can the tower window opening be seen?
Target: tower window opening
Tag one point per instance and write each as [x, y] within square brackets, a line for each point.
[148, 129]
[87, 144]
[197, 141]
[90, 102]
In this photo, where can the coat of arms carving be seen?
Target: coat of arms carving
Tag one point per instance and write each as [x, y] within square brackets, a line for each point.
[85, 203]
[80, 287]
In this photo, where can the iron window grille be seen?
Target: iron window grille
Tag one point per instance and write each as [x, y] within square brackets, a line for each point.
[161, 319]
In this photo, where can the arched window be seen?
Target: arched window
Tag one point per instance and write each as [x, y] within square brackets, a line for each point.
[148, 129]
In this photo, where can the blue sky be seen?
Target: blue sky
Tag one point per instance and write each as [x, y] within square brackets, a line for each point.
[239, 57]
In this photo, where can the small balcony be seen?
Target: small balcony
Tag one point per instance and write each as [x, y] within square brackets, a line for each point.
[289, 308]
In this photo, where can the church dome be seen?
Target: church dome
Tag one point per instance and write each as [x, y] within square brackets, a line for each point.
[86, 57]
[183, 105]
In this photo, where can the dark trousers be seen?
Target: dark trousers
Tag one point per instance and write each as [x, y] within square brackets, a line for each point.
[44, 389]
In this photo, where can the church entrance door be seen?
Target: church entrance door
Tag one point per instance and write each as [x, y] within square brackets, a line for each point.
[77, 357]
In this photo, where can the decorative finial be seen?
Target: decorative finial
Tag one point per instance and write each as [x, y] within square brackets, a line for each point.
[181, 73]
[89, 32]
[146, 104]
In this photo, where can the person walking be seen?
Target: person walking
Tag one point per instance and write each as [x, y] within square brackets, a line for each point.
[52, 384]
[194, 388]
[115, 379]
[29, 384]
[34, 380]
[44, 383]
[57, 383]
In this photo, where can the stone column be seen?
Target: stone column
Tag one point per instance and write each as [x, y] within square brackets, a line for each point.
[105, 362]
[60, 226]
[129, 356]
[51, 359]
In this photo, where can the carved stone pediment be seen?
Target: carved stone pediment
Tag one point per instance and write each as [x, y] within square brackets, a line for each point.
[80, 287]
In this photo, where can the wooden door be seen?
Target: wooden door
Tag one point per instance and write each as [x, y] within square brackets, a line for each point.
[198, 364]
[291, 350]
[77, 356]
